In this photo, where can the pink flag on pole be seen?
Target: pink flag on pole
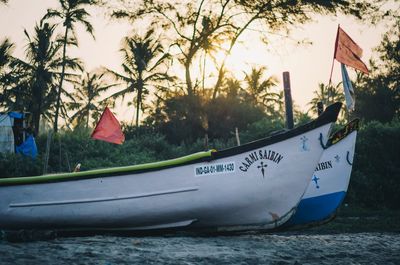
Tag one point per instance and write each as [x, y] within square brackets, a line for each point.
[108, 129]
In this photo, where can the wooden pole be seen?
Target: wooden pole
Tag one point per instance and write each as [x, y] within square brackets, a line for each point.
[334, 55]
[320, 107]
[47, 154]
[288, 100]
[237, 136]
[206, 141]
[68, 164]
[59, 153]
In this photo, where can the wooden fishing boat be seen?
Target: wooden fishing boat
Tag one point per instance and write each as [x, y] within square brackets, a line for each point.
[254, 186]
[329, 183]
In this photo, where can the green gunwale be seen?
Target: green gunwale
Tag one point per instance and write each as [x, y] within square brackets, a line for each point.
[107, 171]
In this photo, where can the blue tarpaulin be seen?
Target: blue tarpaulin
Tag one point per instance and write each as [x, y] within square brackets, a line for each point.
[16, 115]
[28, 147]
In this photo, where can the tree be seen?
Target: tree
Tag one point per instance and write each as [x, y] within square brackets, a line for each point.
[279, 106]
[185, 120]
[327, 94]
[13, 84]
[87, 103]
[11, 88]
[378, 95]
[258, 90]
[14, 90]
[228, 19]
[38, 74]
[210, 46]
[6, 49]
[224, 114]
[232, 88]
[71, 13]
[32, 82]
[143, 58]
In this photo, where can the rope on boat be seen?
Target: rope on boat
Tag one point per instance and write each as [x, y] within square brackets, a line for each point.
[347, 158]
[321, 141]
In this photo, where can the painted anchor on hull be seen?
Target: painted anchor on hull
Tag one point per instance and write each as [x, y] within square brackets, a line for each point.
[304, 146]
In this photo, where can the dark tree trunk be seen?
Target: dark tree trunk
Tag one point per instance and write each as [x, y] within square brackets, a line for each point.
[139, 98]
[61, 82]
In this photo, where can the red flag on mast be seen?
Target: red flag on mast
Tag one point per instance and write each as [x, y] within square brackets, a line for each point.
[348, 52]
[108, 129]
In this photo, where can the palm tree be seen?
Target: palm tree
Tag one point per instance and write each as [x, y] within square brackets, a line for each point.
[280, 105]
[13, 91]
[6, 49]
[13, 84]
[38, 73]
[143, 57]
[71, 13]
[327, 94]
[210, 44]
[232, 88]
[87, 94]
[259, 89]
[36, 77]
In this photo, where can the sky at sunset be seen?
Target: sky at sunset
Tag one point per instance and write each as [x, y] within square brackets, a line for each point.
[308, 65]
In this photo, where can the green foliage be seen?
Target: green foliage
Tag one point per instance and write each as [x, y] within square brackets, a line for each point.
[375, 181]
[259, 89]
[376, 101]
[378, 95]
[143, 61]
[77, 147]
[71, 12]
[185, 119]
[301, 118]
[189, 118]
[87, 102]
[16, 165]
[262, 128]
[6, 48]
[226, 114]
[327, 94]
[33, 86]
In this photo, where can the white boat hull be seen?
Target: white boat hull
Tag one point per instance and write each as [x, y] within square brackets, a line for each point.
[256, 189]
[328, 185]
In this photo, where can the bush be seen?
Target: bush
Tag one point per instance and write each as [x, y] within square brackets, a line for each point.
[375, 181]
[17, 165]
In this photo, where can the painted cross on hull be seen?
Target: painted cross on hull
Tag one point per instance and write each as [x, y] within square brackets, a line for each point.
[315, 179]
[262, 166]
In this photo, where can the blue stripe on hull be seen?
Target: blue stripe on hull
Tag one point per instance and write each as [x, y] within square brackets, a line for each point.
[316, 208]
